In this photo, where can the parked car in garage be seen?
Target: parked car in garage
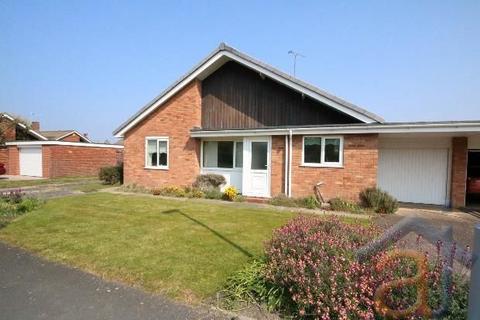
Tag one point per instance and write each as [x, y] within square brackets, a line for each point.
[473, 185]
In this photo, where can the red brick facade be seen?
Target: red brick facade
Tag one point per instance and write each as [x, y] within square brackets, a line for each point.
[71, 138]
[459, 171]
[174, 119]
[359, 169]
[64, 161]
[13, 161]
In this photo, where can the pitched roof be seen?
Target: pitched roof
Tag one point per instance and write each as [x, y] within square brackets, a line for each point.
[23, 126]
[59, 134]
[226, 53]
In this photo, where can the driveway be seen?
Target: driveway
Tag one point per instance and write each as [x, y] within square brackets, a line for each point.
[462, 223]
[31, 288]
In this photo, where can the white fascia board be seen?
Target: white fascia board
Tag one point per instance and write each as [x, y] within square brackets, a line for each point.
[255, 67]
[62, 143]
[169, 94]
[77, 133]
[35, 133]
[393, 128]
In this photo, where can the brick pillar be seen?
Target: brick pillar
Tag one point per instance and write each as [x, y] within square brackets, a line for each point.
[459, 171]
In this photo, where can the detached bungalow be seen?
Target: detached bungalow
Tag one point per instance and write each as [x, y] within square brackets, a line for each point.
[269, 133]
[28, 151]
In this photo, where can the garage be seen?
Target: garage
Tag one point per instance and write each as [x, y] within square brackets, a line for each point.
[30, 161]
[417, 175]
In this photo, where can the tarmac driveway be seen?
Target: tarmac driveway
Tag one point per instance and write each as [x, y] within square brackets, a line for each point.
[31, 288]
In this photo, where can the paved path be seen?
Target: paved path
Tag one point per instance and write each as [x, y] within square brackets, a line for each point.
[31, 288]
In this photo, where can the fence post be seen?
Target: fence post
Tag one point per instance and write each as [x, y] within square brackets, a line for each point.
[474, 294]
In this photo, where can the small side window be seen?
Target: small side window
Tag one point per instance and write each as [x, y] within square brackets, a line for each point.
[156, 153]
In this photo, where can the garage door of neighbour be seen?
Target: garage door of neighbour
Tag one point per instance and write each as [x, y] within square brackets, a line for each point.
[31, 161]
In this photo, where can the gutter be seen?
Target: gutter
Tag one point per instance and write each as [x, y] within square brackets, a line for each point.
[62, 143]
[473, 127]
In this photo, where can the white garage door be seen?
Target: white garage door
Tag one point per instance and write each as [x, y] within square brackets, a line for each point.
[414, 175]
[31, 161]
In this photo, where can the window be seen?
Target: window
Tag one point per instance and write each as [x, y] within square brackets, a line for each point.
[156, 153]
[323, 151]
[238, 154]
[259, 155]
[222, 154]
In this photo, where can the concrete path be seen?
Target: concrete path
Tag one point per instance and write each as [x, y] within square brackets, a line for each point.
[31, 288]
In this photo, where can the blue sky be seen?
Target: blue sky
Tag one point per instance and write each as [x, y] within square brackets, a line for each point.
[89, 65]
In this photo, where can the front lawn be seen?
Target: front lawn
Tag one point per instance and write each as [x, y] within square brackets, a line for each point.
[185, 249]
[6, 183]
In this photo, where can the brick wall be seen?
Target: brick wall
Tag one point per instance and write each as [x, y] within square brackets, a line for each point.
[459, 171]
[64, 161]
[359, 169]
[13, 161]
[174, 119]
[72, 138]
[278, 165]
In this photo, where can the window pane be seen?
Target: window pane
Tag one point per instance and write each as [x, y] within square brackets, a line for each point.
[259, 155]
[332, 150]
[151, 153]
[225, 154]
[210, 154]
[239, 155]
[312, 152]
[162, 153]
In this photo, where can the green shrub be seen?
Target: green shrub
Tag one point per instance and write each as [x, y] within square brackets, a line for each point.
[249, 285]
[209, 181]
[307, 202]
[195, 193]
[378, 200]
[111, 175]
[338, 204]
[283, 201]
[213, 194]
[170, 191]
[28, 204]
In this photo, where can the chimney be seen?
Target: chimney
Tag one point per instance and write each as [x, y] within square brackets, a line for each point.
[35, 125]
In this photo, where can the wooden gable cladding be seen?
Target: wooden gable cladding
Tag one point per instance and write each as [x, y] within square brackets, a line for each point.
[236, 97]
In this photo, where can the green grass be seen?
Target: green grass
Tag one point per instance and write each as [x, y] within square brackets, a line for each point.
[93, 187]
[36, 182]
[185, 249]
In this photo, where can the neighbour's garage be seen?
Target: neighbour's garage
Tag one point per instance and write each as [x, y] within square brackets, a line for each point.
[415, 170]
[54, 159]
[30, 161]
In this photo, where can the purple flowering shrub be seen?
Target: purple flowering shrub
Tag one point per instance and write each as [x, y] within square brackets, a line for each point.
[312, 259]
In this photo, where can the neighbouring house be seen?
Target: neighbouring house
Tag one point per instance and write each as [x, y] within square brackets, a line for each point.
[29, 151]
[269, 133]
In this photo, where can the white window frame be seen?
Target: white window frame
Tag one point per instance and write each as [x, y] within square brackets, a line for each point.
[158, 139]
[323, 163]
[234, 154]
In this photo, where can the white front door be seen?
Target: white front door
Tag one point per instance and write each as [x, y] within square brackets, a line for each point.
[256, 166]
[30, 161]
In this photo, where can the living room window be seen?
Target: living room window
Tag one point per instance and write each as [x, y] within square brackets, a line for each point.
[322, 151]
[156, 152]
[222, 154]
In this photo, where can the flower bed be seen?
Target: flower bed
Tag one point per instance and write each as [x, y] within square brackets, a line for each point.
[310, 271]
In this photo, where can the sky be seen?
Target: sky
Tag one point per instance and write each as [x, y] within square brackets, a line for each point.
[89, 65]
